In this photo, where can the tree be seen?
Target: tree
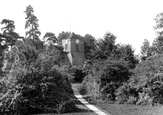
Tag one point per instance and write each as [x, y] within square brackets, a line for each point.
[159, 23]
[126, 52]
[106, 46]
[89, 46]
[2, 48]
[8, 32]
[147, 50]
[50, 37]
[63, 35]
[28, 87]
[158, 44]
[31, 24]
[8, 38]
[145, 47]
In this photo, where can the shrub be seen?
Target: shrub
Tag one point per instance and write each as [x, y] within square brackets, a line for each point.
[44, 92]
[148, 78]
[148, 68]
[113, 74]
[126, 94]
[65, 70]
[83, 90]
[104, 77]
[33, 84]
[77, 73]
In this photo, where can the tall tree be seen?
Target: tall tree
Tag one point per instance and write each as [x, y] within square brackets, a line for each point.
[126, 52]
[31, 24]
[89, 46]
[145, 47]
[2, 48]
[146, 50]
[8, 32]
[159, 24]
[158, 42]
[106, 46]
[8, 38]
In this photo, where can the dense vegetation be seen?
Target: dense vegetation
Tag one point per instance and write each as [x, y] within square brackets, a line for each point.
[36, 78]
[32, 80]
[115, 74]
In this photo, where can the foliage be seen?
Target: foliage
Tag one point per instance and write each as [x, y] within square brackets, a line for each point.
[29, 85]
[83, 90]
[50, 37]
[65, 70]
[158, 44]
[8, 31]
[126, 52]
[114, 73]
[55, 53]
[146, 84]
[106, 46]
[63, 35]
[7, 39]
[2, 50]
[103, 78]
[109, 69]
[77, 73]
[148, 68]
[127, 93]
[31, 24]
[159, 23]
[89, 46]
[146, 50]
[32, 82]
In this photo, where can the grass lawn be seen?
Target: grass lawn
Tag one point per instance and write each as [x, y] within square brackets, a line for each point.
[79, 110]
[124, 109]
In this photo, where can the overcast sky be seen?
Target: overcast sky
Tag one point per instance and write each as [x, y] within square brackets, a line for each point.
[131, 21]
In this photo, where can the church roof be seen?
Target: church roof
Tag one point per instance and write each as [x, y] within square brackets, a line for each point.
[74, 36]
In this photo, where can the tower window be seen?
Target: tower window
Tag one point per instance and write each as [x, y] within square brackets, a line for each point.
[65, 46]
[77, 45]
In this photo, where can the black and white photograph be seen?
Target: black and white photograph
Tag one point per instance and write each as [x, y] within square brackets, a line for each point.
[81, 57]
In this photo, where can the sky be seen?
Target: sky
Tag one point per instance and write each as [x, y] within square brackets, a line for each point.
[131, 21]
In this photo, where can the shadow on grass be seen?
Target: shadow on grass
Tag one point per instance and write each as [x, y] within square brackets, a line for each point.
[77, 109]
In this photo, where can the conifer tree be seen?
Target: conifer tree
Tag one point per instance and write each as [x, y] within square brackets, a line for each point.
[31, 25]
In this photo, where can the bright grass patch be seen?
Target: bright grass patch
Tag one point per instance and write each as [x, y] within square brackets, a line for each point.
[124, 109]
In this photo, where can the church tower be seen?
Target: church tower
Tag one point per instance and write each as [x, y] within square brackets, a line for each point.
[74, 46]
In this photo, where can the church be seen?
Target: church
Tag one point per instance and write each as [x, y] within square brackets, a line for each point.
[74, 48]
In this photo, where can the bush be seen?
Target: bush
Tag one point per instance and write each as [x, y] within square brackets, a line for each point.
[83, 90]
[77, 74]
[148, 79]
[113, 74]
[105, 77]
[147, 93]
[33, 84]
[65, 70]
[126, 94]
